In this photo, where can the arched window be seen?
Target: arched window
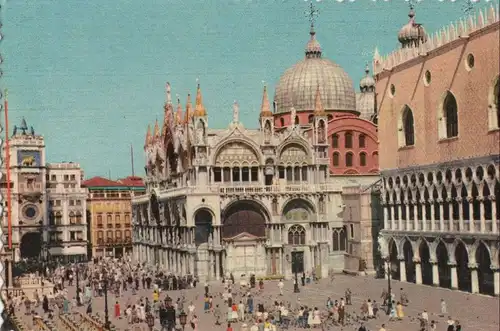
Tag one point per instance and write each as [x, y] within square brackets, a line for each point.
[282, 121]
[450, 110]
[362, 159]
[495, 106]
[335, 241]
[348, 140]
[310, 119]
[78, 217]
[72, 219]
[296, 235]
[336, 159]
[335, 141]
[343, 239]
[362, 141]
[348, 160]
[408, 127]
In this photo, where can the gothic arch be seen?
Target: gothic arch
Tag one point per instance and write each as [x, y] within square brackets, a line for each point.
[242, 141]
[248, 216]
[494, 104]
[448, 119]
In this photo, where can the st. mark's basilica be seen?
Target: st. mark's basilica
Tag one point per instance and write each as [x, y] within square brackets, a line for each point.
[263, 201]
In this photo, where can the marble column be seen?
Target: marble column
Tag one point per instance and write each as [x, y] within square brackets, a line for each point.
[454, 276]
[435, 273]
[474, 278]
[10, 266]
[496, 280]
[418, 272]
[217, 262]
[402, 269]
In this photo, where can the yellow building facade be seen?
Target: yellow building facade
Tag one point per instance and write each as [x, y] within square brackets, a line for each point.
[109, 213]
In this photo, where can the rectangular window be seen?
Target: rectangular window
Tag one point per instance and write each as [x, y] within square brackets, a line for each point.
[254, 171]
[227, 175]
[245, 174]
[217, 175]
[66, 178]
[281, 171]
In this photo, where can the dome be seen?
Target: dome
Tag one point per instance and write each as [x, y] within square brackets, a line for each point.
[297, 86]
[412, 34]
[367, 83]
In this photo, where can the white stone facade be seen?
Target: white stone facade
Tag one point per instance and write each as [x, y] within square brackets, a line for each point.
[243, 201]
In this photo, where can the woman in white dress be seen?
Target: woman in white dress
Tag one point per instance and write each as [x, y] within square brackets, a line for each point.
[370, 309]
[310, 317]
[316, 317]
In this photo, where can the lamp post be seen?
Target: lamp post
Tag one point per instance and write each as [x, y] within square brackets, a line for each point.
[295, 268]
[77, 268]
[389, 275]
[107, 324]
[183, 319]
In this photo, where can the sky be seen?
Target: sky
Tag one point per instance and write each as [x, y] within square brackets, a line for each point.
[90, 75]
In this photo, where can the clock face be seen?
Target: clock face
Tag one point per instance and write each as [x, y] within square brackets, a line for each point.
[30, 211]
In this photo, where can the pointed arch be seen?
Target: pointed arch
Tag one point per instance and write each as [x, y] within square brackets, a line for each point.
[463, 271]
[494, 104]
[425, 258]
[483, 259]
[408, 126]
[449, 116]
[443, 259]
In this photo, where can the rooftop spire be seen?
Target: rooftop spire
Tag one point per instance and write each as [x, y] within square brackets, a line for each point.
[265, 109]
[156, 133]
[169, 95]
[318, 105]
[313, 48]
[178, 114]
[148, 136]
[199, 109]
[189, 109]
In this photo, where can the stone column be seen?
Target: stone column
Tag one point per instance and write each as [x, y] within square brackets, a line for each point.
[435, 273]
[454, 277]
[474, 278]
[400, 214]
[441, 215]
[407, 221]
[217, 263]
[210, 265]
[402, 269]
[386, 216]
[460, 214]
[494, 226]
[391, 207]
[433, 215]
[415, 215]
[482, 225]
[496, 280]
[418, 271]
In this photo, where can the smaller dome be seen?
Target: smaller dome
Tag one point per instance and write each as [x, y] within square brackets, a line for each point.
[412, 34]
[367, 83]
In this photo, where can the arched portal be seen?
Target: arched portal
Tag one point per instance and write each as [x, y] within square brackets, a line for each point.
[463, 272]
[425, 263]
[410, 265]
[31, 245]
[485, 274]
[443, 266]
[244, 216]
[203, 221]
[393, 253]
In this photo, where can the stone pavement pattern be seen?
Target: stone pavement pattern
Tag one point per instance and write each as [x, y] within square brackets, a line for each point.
[475, 312]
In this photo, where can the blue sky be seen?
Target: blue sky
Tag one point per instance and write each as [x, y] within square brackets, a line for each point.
[90, 75]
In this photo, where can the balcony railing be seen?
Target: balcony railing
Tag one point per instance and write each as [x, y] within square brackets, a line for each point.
[459, 226]
[224, 188]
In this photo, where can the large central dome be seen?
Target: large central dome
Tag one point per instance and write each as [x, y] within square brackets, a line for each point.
[297, 86]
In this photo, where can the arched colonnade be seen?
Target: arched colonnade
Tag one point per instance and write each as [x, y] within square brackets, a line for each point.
[463, 264]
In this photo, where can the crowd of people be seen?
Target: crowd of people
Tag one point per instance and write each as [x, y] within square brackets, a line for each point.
[242, 306]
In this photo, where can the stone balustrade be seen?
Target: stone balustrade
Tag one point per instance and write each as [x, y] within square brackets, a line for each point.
[459, 226]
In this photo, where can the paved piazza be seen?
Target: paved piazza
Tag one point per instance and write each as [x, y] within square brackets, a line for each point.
[476, 312]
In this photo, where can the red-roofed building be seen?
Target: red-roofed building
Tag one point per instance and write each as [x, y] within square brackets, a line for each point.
[109, 214]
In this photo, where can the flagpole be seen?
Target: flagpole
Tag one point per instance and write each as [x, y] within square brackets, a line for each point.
[7, 162]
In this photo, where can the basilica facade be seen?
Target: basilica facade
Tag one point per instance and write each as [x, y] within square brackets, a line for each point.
[263, 201]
